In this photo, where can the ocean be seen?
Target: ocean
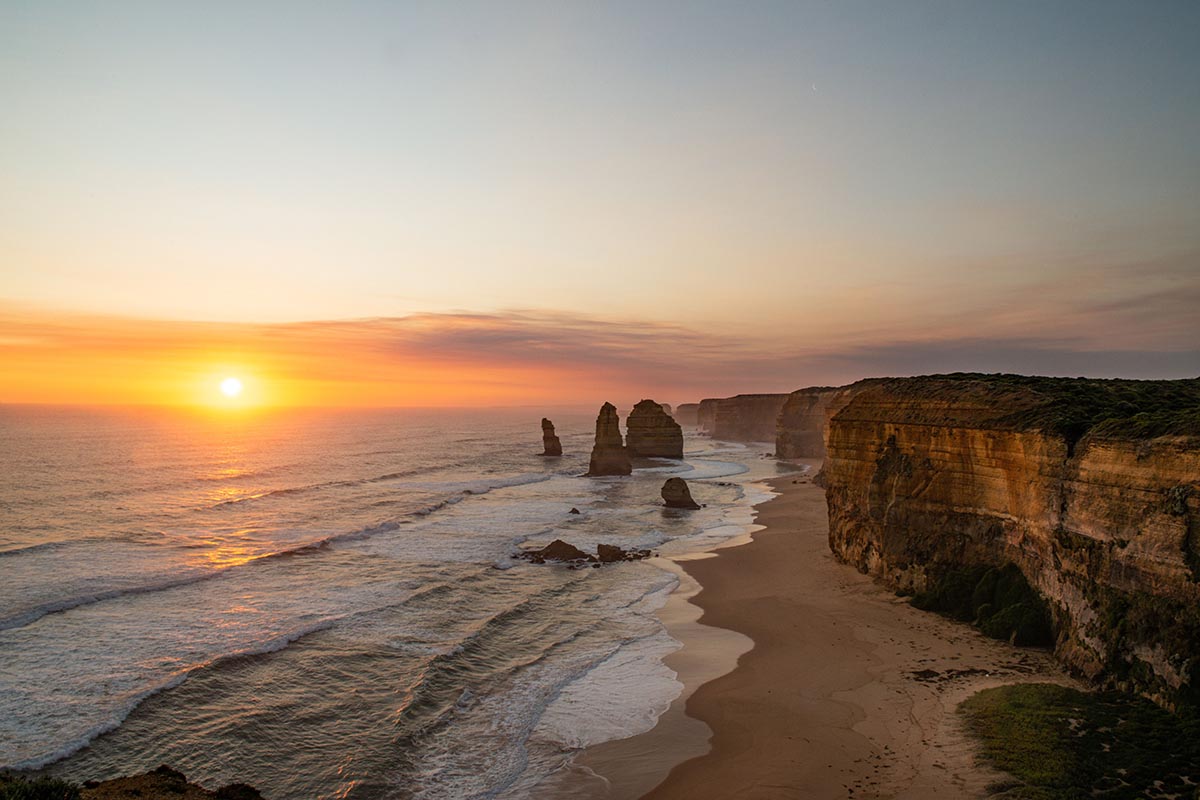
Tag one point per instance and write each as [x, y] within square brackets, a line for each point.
[324, 604]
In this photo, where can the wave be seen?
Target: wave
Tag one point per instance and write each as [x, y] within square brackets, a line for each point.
[312, 487]
[31, 615]
[121, 713]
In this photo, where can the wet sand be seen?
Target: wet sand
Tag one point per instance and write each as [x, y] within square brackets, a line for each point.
[847, 692]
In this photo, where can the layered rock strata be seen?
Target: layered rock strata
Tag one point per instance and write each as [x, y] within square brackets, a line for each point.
[676, 494]
[609, 456]
[741, 418]
[804, 419]
[651, 433]
[551, 446]
[1092, 488]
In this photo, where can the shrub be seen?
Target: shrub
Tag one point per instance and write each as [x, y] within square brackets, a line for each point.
[15, 787]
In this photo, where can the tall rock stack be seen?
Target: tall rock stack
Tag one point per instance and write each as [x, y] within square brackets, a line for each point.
[550, 443]
[652, 432]
[609, 456]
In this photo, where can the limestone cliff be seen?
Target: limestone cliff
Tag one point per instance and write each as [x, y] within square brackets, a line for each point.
[686, 413]
[609, 456]
[651, 433]
[1092, 488]
[741, 418]
[706, 414]
[804, 419]
[551, 446]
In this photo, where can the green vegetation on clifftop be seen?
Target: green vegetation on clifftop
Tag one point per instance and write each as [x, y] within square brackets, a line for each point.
[1070, 407]
[1063, 744]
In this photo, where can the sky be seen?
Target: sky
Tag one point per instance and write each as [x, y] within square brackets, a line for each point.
[447, 203]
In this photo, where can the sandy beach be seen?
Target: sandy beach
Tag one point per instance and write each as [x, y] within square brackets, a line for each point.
[847, 691]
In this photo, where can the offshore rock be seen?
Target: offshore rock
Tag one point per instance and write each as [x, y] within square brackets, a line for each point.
[558, 550]
[562, 552]
[550, 443]
[610, 553]
[609, 456]
[1091, 487]
[652, 433]
[675, 494]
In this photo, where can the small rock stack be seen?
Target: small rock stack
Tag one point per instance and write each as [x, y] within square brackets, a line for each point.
[550, 443]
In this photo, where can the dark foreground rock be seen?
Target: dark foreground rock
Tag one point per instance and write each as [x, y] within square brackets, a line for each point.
[161, 784]
[562, 552]
[609, 456]
[551, 446]
[675, 494]
[610, 553]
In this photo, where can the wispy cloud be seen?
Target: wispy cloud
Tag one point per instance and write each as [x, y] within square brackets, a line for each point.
[508, 357]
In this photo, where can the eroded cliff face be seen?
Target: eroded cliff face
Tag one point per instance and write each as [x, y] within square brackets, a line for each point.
[741, 418]
[927, 474]
[804, 419]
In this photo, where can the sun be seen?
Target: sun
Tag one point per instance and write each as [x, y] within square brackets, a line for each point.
[231, 387]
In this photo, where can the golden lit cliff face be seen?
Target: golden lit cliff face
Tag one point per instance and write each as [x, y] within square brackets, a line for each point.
[1106, 530]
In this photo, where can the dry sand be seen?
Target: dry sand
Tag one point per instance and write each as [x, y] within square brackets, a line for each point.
[847, 692]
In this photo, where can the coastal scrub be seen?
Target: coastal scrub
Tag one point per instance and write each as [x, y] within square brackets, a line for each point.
[1061, 744]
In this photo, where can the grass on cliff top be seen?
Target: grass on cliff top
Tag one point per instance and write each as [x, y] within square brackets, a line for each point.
[15, 787]
[1063, 744]
[1071, 407]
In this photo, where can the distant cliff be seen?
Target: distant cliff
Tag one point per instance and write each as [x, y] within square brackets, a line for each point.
[1092, 488]
[686, 413]
[804, 419]
[742, 418]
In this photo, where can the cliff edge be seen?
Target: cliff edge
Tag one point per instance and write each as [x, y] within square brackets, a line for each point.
[1091, 487]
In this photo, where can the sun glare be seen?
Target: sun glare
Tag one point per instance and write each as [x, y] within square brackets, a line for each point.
[231, 387]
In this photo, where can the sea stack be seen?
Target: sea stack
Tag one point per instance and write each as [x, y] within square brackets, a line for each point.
[652, 432]
[550, 443]
[675, 494]
[609, 456]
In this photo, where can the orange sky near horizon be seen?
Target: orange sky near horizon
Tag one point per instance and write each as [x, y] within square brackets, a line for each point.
[99, 360]
[530, 358]
[468, 203]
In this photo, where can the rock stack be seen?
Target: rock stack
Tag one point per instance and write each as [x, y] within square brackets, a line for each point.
[550, 442]
[609, 456]
[675, 494]
[652, 432]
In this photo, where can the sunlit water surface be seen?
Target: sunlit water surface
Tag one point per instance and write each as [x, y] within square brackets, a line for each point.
[324, 604]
